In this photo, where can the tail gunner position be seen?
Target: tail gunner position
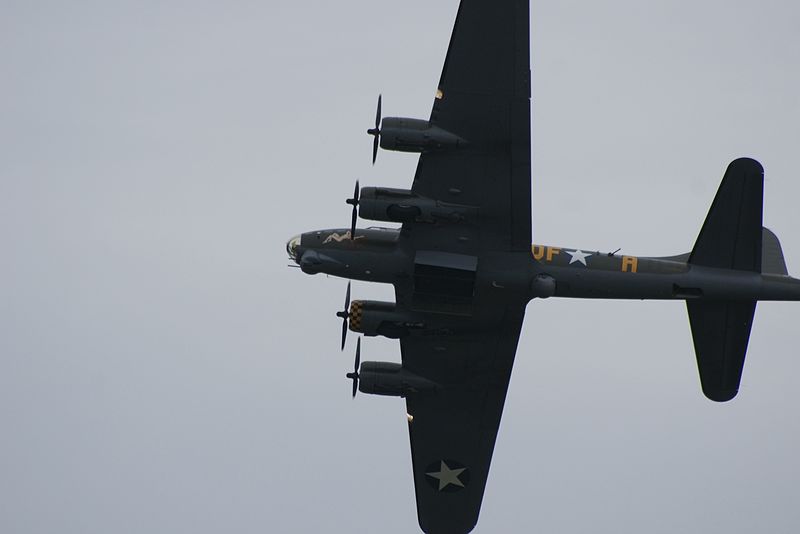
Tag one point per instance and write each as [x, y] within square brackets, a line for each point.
[464, 269]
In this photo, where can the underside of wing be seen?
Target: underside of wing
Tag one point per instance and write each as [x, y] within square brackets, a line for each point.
[484, 99]
[453, 429]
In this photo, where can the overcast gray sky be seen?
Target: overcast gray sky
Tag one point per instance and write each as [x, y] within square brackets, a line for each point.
[162, 370]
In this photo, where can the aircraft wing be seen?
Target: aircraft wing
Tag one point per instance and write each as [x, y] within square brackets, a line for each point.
[484, 98]
[453, 431]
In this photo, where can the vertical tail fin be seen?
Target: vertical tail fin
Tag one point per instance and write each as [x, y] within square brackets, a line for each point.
[772, 261]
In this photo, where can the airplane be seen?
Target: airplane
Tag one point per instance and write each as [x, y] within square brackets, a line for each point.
[464, 269]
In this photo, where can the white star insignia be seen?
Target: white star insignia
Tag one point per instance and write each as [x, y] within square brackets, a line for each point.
[447, 476]
[578, 257]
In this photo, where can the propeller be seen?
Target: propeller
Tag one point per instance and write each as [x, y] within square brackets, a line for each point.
[354, 375]
[354, 202]
[345, 314]
[376, 131]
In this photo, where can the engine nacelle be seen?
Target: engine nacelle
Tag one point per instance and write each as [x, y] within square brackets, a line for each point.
[415, 135]
[375, 318]
[401, 205]
[384, 378]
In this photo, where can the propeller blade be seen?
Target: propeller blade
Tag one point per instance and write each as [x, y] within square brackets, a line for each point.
[354, 376]
[354, 202]
[355, 369]
[378, 113]
[353, 220]
[345, 314]
[356, 195]
[376, 131]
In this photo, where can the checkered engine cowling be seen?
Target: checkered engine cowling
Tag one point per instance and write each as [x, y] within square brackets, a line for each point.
[375, 318]
[356, 312]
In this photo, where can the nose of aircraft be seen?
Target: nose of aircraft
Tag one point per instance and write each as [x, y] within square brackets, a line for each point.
[292, 248]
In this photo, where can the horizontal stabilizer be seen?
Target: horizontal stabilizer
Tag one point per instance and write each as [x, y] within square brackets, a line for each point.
[720, 331]
[731, 234]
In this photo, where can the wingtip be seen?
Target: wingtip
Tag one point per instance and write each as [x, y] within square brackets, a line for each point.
[747, 164]
[720, 395]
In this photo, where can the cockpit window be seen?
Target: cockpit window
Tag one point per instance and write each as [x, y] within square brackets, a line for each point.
[291, 247]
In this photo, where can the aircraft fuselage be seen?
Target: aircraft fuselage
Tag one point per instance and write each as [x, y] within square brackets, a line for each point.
[379, 255]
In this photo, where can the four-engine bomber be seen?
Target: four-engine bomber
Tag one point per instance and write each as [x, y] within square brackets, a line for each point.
[463, 267]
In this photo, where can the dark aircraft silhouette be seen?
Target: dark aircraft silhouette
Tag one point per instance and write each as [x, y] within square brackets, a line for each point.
[464, 269]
